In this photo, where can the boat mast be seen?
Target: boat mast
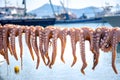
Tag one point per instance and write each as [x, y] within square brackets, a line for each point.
[24, 3]
[52, 8]
[63, 7]
[5, 3]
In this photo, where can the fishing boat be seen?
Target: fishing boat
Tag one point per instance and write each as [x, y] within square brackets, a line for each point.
[68, 17]
[111, 15]
[18, 16]
[29, 21]
[89, 20]
[113, 20]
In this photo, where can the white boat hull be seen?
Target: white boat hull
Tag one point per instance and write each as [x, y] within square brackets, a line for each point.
[113, 20]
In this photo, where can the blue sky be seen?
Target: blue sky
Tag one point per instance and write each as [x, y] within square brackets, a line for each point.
[32, 4]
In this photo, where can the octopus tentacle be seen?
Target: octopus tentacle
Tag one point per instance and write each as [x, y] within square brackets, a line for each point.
[8, 41]
[73, 44]
[100, 38]
[34, 44]
[82, 50]
[55, 33]
[62, 36]
[47, 37]
[107, 42]
[1, 39]
[96, 42]
[13, 33]
[5, 43]
[93, 39]
[86, 34]
[41, 47]
[27, 39]
[2, 46]
[105, 38]
[1, 42]
[20, 31]
[115, 41]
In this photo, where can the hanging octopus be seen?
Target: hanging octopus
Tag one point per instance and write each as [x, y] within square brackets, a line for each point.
[40, 34]
[33, 40]
[55, 34]
[102, 38]
[27, 40]
[86, 34]
[62, 35]
[20, 31]
[4, 42]
[13, 33]
[46, 41]
[111, 45]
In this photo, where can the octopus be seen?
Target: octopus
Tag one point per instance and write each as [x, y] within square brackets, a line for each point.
[46, 41]
[39, 39]
[40, 34]
[13, 33]
[20, 31]
[55, 33]
[100, 37]
[62, 35]
[86, 34]
[33, 40]
[111, 45]
[4, 43]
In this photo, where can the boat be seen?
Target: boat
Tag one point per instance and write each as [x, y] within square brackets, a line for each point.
[29, 21]
[18, 16]
[112, 17]
[89, 20]
[114, 21]
[68, 17]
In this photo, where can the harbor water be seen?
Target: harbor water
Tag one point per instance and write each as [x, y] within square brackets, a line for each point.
[61, 71]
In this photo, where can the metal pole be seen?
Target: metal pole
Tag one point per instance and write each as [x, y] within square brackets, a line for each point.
[52, 8]
[24, 3]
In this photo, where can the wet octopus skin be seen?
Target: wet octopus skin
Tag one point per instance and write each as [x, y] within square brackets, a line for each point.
[55, 33]
[40, 32]
[102, 38]
[111, 45]
[33, 39]
[99, 38]
[106, 42]
[86, 34]
[116, 39]
[62, 35]
[27, 40]
[3, 43]
[9, 26]
[46, 40]
[13, 33]
[20, 31]
[76, 35]
[73, 44]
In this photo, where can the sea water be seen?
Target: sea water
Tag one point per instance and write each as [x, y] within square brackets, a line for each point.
[61, 71]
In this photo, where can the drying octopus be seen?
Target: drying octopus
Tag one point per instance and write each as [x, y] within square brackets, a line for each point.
[39, 39]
